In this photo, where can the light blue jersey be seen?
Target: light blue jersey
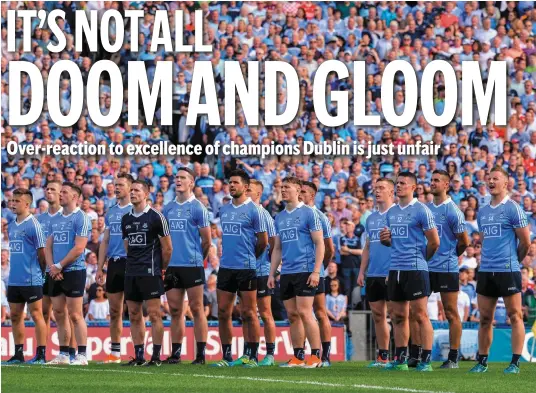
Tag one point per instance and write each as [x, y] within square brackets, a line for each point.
[326, 231]
[408, 242]
[185, 219]
[45, 219]
[379, 255]
[64, 230]
[497, 225]
[240, 225]
[449, 222]
[263, 262]
[25, 239]
[116, 246]
[294, 231]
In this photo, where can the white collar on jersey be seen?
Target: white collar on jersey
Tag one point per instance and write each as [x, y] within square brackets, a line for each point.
[413, 201]
[242, 204]
[60, 211]
[505, 199]
[140, 214]
[122, 207]
[442, 203]
[23, 221]
[299, 205]
[192, 197]
[389, 208]
[68, 215]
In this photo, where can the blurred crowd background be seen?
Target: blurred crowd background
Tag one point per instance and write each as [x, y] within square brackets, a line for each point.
[304, 34]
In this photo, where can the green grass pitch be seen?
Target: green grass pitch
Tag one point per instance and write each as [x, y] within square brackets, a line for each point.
[341, 377]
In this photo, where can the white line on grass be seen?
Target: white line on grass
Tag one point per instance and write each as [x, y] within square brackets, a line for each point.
[255, 379]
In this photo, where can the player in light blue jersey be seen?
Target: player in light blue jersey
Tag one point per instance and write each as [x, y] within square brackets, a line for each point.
[25, 283]
[505, 232]
[189, 227]
[443, 267]
[299, 244]
[375, 261]
[307, 196]
[264, 294]
[244, 239]
[67, 240]
[52, 196]
[112, 250]
[412, 235]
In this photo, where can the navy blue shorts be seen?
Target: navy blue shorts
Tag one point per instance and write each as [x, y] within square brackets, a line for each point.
[72, 285]
[237, 280]
[376, 289]
[442, 282]
[500, 284]
[407, 285]
[295, 284]
[24, 294]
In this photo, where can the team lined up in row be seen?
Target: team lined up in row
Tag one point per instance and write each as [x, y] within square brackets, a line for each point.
[415, 246]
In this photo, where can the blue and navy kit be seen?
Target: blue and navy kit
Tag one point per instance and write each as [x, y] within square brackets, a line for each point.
[294, 231]
[184, 220]
[112, 220]
[379, 255]
[449, 222]
[408, 242]
[240, 225]
[25, 239]
[65, 229]
[263, 262]
[497, 225]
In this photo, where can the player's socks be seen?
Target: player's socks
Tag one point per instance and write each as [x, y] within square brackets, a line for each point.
[82, 350]
[426, 355]
[139, 351]
[315, 352]
[156, 351]
[270, 348]
[65, 350]
[401, 354]
[176, 349]
[41, 352]
[299, 353]
[253, 351]
[201, 346]
[415, 351]
[227, 354]
[483, 360]
[326, 349]
[72, 352]
[515, 360]
[116, 349]
[453, 355]
[19, 351]
[383, 354]
[246, 350]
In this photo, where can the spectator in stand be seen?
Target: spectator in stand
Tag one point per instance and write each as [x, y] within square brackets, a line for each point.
[99, 309]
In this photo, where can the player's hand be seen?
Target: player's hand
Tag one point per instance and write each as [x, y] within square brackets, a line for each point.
[385, 236]
[57, 277]
[271, 282]
[313, 279]
[54, 271]
[99, 277]
[361, 280]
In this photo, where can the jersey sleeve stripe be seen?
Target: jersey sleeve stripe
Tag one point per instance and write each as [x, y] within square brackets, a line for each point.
[262, 223]
[429, 218]
[165, 227]
[269, 223]
[205, 221]
[460, 224]
[41, 241]
[521, 217]
[317, 224]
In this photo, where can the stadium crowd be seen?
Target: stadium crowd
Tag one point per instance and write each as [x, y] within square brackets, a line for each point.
[304, 34]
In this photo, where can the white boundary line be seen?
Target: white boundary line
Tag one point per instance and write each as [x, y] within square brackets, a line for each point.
[254, 379]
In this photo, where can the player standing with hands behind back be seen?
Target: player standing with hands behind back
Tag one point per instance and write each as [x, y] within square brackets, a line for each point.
[413, 238]
[504, 227]
[299, 243]
[148, 245]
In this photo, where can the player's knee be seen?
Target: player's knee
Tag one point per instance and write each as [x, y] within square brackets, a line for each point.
[196, 308]
[15, 317]
[266, 315]
[135, 315]
[224, 313]
[320, 314]
[452, 315]
[516, 316]
[76, 317]
[175, 312]
[486, 321]
[398, 318]
[115, 313]
[36, 315]
[249, 315]
[305, 315]
[154, 315]
[378, 317]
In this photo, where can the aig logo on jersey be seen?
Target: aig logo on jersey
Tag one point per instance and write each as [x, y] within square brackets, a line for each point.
[374, 235]
[176, 225]
[491, 230]
[288, 235]
[61, 237]
[232, 228]
[16, 247]
[115, 228]
[137, 239]
[399, 231]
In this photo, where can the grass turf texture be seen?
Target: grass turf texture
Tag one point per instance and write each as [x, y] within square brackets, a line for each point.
[341, 377]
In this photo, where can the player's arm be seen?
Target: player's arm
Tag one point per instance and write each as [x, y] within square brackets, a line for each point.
[271, 243]
[41, 257]
[125, 244]
[318, 240]
[523, 235]
[463, 242]
[103, 251]
[206, 241]
[433, 242]
[329, 250]
[274, 262]
[262, 242]
[167, 250]
[364, 264]
[385, 237]
[49, 256]
[80, 243]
